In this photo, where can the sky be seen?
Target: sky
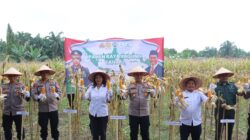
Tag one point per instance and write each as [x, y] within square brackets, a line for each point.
[193, 24]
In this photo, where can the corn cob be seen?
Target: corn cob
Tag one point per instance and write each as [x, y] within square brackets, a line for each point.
[108, 85]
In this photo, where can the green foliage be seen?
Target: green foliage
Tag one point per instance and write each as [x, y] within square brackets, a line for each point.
[228, 49]
[22, 46]
[17, 53]
[10, 37]
[2, 46]
[208, 52]
[189, 53]
[34, 54]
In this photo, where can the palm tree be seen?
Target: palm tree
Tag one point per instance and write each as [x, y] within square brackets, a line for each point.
[56, 45]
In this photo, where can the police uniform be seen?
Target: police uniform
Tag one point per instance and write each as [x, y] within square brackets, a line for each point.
[138, 94]
[13, 103]
[48, 109]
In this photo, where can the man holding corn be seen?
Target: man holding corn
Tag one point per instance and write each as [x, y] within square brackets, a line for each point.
[139, 93]
[225, 106]
[191, 101]
[47, 92]
[14, 92]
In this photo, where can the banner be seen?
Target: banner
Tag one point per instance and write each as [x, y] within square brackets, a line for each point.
[108, 54]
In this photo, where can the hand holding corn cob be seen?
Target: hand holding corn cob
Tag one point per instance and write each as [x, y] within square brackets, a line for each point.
[183, 105]
[42, 96]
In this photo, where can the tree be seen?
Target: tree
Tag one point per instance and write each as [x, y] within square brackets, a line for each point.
[23, 38]
[10, 38]
[55, 45]
[228, 49]
[2, 46]
[208, 52]
[172, 52]
[188, 53]
[34, 54]
[240, 53]
[17, 53]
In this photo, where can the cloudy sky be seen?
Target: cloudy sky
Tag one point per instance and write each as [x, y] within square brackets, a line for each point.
[184, 24]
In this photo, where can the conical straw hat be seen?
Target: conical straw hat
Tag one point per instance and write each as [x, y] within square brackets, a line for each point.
[44, 68]
[92, 75]
[12, 71]
[183, 82]
[223, 71]
[137, 70]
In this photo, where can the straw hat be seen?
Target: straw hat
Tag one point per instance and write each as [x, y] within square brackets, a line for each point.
[44, 68]
[223, 71]
[197, 81]
[92, 75]
[12, 71]
[137, 70]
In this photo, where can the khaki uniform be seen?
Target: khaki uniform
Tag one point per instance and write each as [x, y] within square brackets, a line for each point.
[51, 103]
[14, 100]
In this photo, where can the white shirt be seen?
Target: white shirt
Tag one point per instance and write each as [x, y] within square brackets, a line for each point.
[192, 114]
[98, 100]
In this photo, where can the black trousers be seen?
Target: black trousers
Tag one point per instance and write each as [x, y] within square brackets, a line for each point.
[43, 119]
[223, 114]
[98, 127]
[186, 130]
[248, 131]
[71, 98]
[7, 126]
[135, 122]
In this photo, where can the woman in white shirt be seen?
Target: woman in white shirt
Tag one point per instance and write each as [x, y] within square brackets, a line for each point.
[98, 95]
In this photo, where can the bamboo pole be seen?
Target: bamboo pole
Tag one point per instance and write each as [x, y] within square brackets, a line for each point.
[30, 111]
[172, 115]
[205, 123]
[226, 131]
[237, 117]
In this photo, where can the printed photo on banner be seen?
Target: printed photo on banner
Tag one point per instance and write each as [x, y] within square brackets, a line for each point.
[107, 55]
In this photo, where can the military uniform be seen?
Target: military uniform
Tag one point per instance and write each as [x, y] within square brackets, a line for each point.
[226, 93]
[48, 109]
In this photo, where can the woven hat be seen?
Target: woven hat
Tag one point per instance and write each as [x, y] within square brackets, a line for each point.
[92, 75]
[184, 81]
[44, 68]
[223, 71]
[137, 70]
[12, 71]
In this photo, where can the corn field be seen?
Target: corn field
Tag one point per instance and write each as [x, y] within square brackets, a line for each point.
[161, 109]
